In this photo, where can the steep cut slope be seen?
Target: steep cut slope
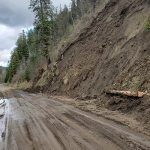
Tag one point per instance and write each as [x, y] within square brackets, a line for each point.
[113, 52]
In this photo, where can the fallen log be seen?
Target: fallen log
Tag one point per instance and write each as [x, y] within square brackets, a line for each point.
[137, 94]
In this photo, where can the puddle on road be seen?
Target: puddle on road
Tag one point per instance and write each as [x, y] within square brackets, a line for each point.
[3, 120]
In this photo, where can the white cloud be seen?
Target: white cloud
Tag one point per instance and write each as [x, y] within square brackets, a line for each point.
[15, 13]
[57, 3]
[4, 57]
[8, 36]
[14, 16]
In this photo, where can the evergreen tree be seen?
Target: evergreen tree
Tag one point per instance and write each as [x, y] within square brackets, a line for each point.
[22, 48]
[43, 11]
[79, 9]
[50, 27]
[12, 69]
[74, 10]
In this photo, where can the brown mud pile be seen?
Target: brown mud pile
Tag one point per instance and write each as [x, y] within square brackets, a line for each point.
[112, 53]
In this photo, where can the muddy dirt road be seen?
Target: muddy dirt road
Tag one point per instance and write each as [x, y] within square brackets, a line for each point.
[35, 122]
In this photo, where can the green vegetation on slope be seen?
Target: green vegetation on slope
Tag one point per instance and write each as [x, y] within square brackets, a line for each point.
[34, 47]
[2, 74]
[147, 25]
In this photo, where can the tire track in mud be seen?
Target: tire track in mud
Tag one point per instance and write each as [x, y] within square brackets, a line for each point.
[38, 123]
[59, 130]
[3, 120]
[116, 139]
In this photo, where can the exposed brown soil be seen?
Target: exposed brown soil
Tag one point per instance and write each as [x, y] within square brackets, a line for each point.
[112, 53]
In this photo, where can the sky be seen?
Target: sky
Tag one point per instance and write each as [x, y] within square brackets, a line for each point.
[14, 17]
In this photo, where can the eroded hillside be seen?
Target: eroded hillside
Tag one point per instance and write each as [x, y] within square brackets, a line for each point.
[113, 52]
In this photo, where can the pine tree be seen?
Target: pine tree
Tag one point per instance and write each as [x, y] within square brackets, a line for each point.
[79, 9]
[74, 10]
[13, 65]
[50, 27]
[22, 48]
[43, 10]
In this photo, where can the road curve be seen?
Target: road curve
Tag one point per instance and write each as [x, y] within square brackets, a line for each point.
[35, 122]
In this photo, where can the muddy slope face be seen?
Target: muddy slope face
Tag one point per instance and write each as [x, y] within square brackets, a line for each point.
[113, 52]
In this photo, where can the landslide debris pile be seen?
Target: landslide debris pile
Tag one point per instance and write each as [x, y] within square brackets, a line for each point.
[112, 53]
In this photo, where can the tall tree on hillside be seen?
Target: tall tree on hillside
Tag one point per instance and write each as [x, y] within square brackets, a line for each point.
[93, 3]
[13, 65]
[79, 8]
[22, 48]
[74, 9]
[43, 11]
[32, 43]
[63, 21]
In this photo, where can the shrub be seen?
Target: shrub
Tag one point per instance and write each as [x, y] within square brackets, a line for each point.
[147, 24]
[27, 76]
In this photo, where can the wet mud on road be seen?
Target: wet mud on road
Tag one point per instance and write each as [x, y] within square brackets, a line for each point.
[3, 121]
[35, 122]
